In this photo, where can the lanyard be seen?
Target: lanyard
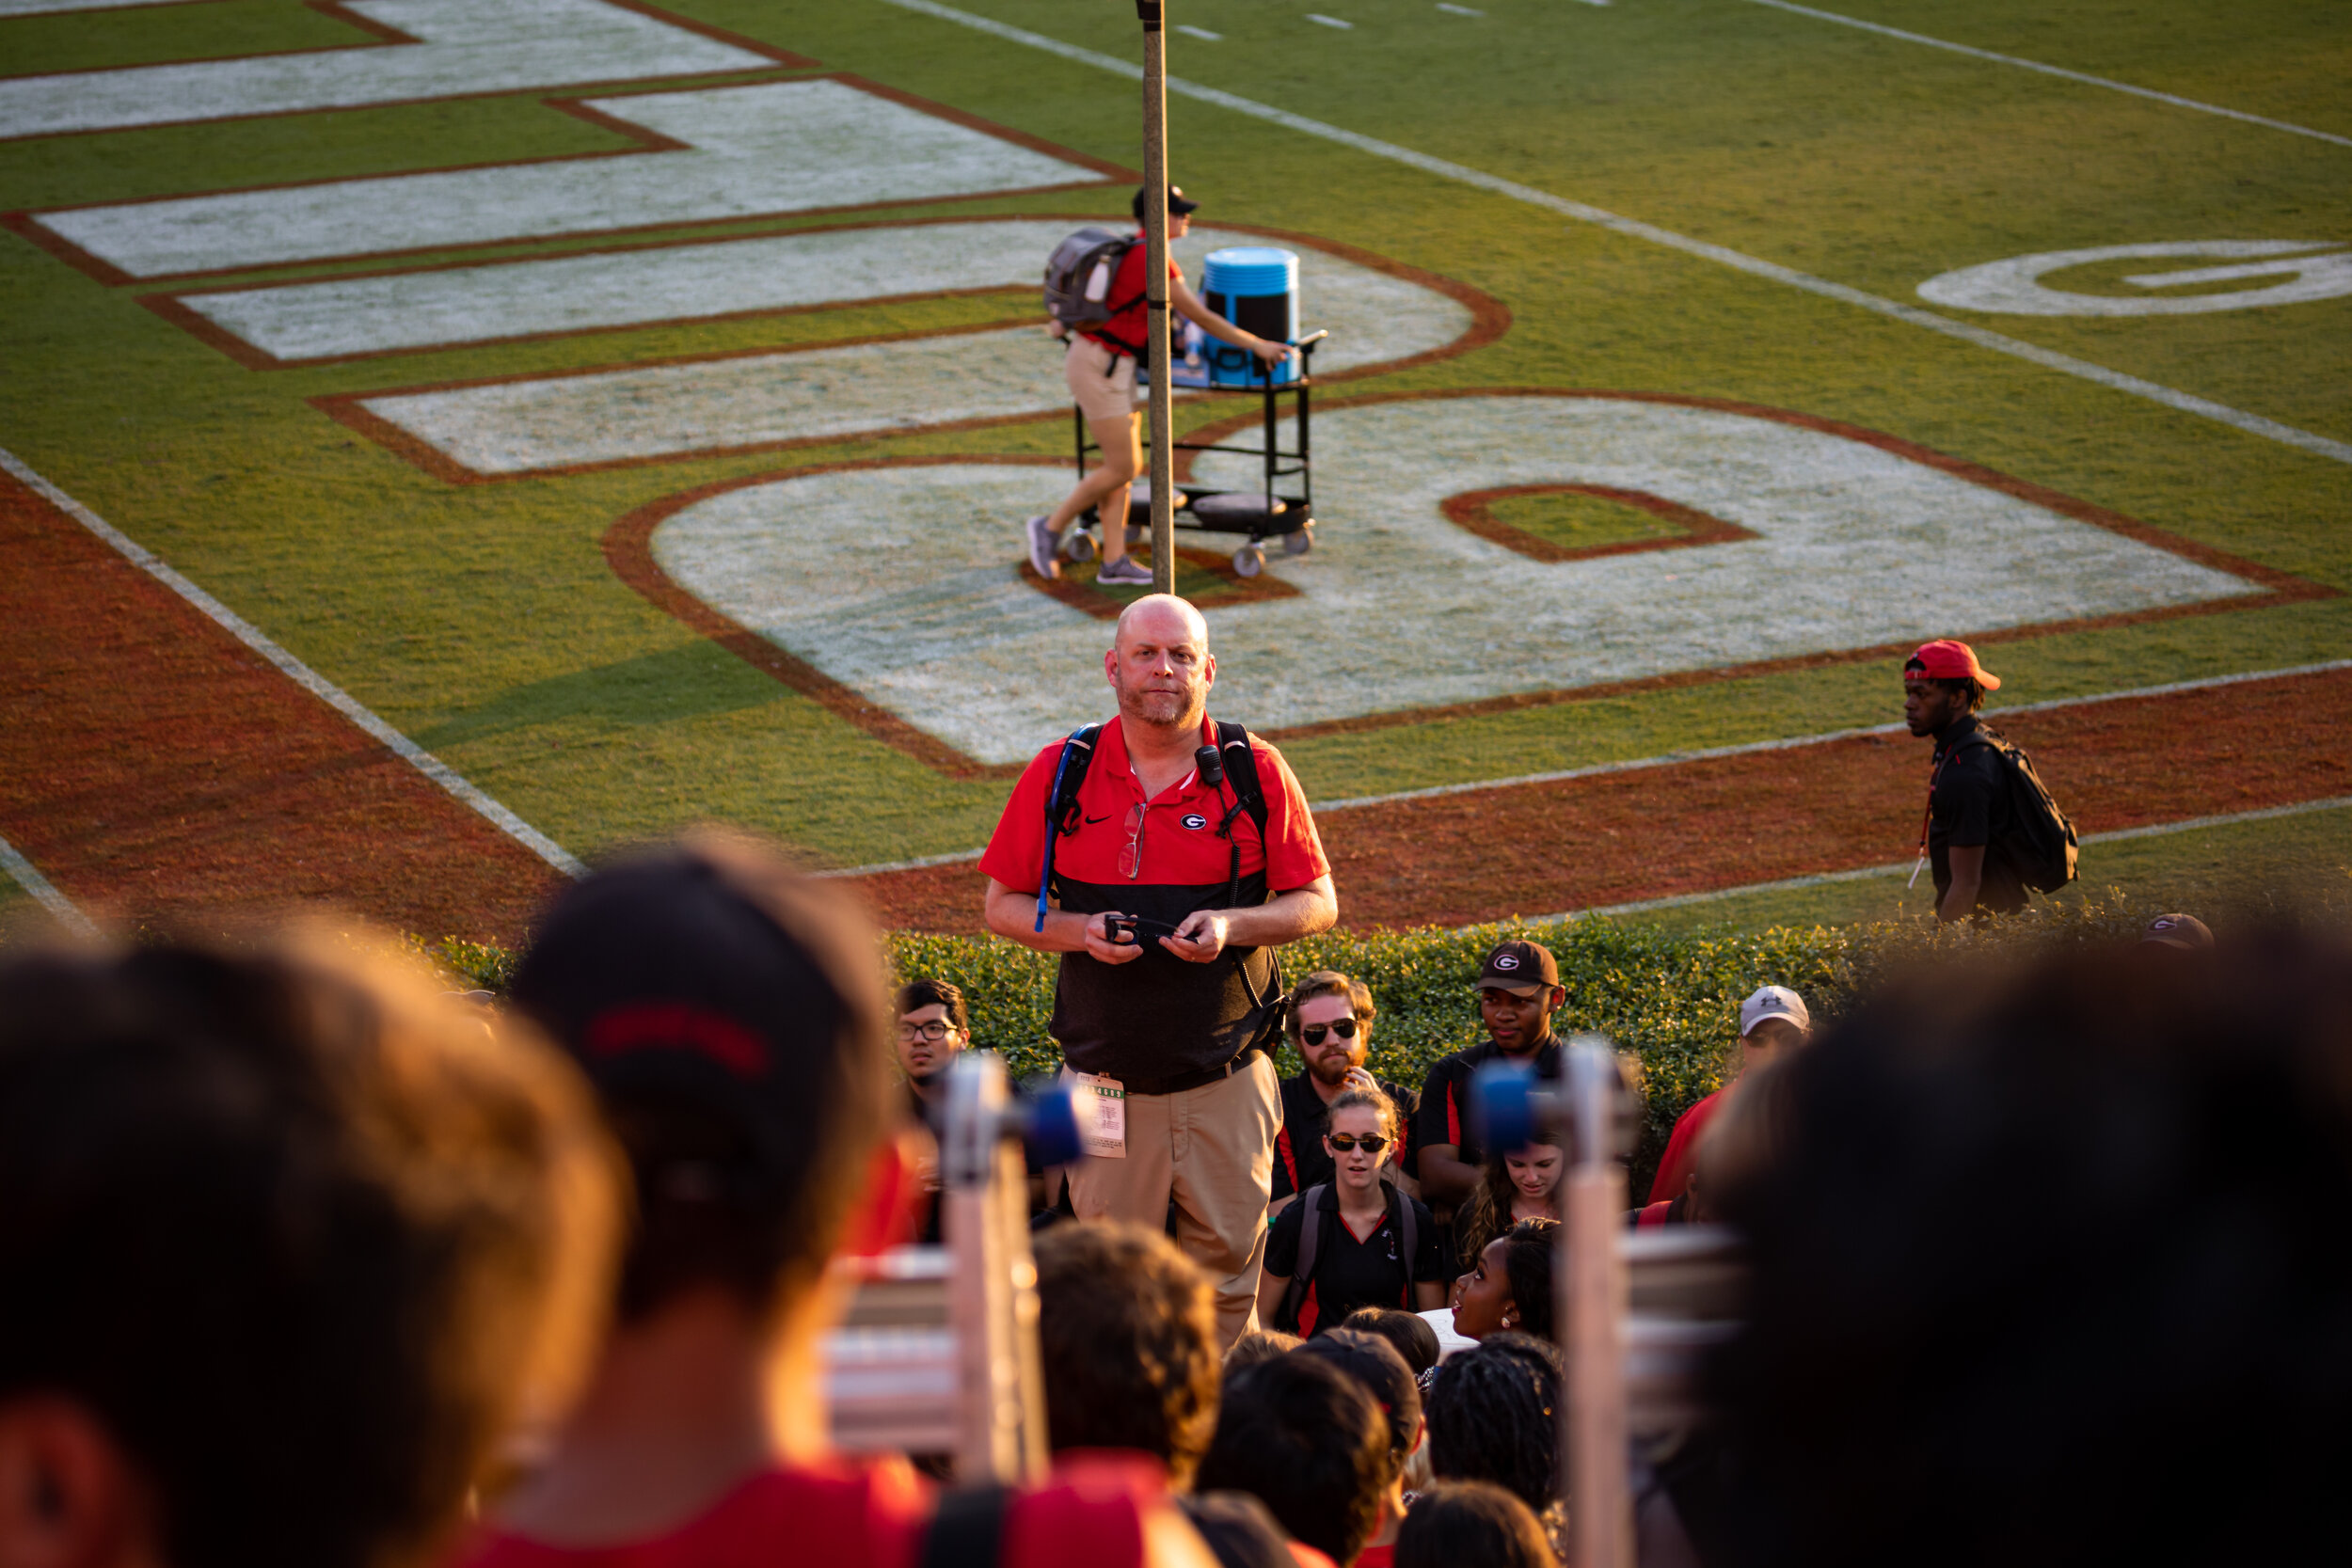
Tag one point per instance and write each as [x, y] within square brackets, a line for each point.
[1928, 816]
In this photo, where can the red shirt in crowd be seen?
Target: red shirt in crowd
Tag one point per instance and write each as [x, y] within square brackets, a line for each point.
[1682, 1150]
[1087, 1515]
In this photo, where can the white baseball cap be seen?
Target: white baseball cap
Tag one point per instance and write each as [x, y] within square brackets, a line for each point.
[1773, 1002]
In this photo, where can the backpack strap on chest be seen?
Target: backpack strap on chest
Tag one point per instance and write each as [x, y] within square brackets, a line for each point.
[1241, 770]
[1313, 1222]
[1061, 802]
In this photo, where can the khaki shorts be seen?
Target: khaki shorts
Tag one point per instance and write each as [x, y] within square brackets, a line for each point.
[1102, 383]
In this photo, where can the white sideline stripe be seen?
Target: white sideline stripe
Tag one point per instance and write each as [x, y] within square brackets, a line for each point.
[1668, 758]
[2188, 403]
[44, 892]
[2111, 84]
[1330, 21]
[1199, 33]
[1790, 884]
[300, 674]
[1754, 747]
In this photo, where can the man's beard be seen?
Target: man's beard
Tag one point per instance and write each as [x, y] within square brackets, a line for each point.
[1183, 709]
[1320, 1068]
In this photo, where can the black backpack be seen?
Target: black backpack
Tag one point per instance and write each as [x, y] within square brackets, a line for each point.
[1314, 1227]
[1078, 754]
[1079, 277]
[2045, 844]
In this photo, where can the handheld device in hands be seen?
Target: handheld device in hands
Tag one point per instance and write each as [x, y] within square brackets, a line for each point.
[1120, 930]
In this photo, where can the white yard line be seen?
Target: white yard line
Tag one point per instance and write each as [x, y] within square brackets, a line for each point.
[300, 674]
[1466, 11]
[2173, 99]
[2188, 403]
[44, 892]
[1790, 884]
[1668, 758]
[1330, 21]
[1201, 33]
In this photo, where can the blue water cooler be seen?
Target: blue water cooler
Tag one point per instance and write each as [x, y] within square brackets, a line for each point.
[1256, 288]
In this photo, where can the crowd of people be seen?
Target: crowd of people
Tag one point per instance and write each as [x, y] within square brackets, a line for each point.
[306, 1261]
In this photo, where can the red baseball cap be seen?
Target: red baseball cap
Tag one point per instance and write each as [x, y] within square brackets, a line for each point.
[1947, 660]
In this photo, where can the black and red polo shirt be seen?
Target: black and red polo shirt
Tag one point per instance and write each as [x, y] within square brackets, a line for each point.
[1300, 1160]
[1352, 1271]
[1158, 1017]
[1445, 1114]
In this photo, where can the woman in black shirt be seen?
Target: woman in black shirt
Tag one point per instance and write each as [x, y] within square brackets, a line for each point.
[1373, 1246]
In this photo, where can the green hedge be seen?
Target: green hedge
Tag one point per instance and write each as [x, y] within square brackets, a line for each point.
[1669, 1000]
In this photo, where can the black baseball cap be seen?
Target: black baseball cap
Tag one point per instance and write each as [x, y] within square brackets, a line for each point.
[1178, 203]
[2184, 931]
[1521, 968]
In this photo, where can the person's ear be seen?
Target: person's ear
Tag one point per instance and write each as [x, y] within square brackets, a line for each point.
[1110, 667]
[70, 1498]
[882, 1216]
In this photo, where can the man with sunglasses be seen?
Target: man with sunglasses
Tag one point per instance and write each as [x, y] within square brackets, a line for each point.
[1330, 1028]
[1167, 899]
[1518, 989]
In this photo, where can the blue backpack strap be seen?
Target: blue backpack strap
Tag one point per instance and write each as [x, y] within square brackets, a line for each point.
[1069, 771]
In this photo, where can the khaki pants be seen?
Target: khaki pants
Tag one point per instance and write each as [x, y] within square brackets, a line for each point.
[1211, 1150]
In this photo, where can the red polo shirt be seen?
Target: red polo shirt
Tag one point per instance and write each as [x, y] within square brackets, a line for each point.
[1158, 1019]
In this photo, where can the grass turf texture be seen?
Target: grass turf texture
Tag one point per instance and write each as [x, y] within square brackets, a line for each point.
[483, 622]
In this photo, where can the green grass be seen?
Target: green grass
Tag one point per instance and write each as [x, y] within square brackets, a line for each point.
[484, 621]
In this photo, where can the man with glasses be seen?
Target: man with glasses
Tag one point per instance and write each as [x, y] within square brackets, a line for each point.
[933, 1029]
[1330, 1028]
[1166, 900]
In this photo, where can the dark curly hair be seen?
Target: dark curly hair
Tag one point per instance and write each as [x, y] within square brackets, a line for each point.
[1127, 1328]
[2038, 1250]
[1494, 1414]
[1528, 1248]
[1309, 1442]
[1462, 1522]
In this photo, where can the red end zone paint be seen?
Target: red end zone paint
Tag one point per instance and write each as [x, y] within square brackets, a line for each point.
[1728, 821]
[155, 768]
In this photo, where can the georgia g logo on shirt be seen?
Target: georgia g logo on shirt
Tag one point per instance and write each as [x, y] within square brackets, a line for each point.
[1195, 820]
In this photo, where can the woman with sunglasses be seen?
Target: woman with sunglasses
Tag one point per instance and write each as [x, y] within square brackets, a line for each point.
[1329, 1022]
[1523, 1184]
[1373, 1246]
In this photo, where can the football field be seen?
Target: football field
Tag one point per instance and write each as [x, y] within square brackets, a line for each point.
[447, 440]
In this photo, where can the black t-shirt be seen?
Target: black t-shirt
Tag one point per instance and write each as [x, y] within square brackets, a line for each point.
[1300, 1160]
[1350, 1273]
[1444, 1115]
[1968, 805]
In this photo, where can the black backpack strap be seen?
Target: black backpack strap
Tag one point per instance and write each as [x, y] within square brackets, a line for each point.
[1312, 1223]
[1409, 1236]
[1241, 766]
[1061, 802]
[968, 1532]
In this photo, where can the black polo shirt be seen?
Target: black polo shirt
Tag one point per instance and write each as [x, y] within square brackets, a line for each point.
[1300, 1160]
[1350, 1273]
[1444, 1115]
[1968, 805]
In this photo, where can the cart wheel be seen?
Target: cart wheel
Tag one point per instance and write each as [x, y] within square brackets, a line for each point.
[1250, 560]
[1299, 540]
[1077, 545]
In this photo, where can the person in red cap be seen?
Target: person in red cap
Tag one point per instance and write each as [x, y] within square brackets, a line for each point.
[1963, 836]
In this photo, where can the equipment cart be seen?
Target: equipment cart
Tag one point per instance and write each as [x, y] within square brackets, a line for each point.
[1258, 514]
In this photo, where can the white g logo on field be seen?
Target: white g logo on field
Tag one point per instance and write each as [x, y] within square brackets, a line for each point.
[2014, 287]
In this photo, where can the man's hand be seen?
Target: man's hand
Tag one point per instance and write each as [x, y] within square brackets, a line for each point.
[1201, 937]
[1099, 945]
[1357, 1078]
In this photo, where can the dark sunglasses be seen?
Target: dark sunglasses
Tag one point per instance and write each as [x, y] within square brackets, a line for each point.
[1312, 1033]
[1372, 1143]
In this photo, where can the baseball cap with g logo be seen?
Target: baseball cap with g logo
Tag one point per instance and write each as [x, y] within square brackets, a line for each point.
[1521, 968]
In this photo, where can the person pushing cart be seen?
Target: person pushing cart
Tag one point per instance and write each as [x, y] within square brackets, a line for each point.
[1100, 367]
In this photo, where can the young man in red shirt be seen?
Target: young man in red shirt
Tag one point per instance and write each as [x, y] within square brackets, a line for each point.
[1169, 1022]
[1100, 367]
[733, 1020]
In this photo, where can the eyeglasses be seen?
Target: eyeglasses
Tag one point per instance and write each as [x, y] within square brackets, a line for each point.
[1371, 1143]
[931, 1033]
[1312, 1033]
[1131, 858]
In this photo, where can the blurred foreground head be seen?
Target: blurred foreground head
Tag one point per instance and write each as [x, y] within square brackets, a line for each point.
[732, 1017]
[289, 1242]
[2051, 1270]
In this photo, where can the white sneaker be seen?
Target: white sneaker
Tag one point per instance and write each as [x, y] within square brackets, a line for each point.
[1043, 543]
[1125, 570]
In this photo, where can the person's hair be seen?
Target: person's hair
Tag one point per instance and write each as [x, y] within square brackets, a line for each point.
[918, 994]
[1487, 1214]
[1528, 1252]
[2063, 1241]
[1330, 982]
[1379, 1105]
[308, 1237]
[1409, 1332]
[1259, 1344]
[1372, 1361]
[1472, 1524]
[749, 1197]
[1306, 1439]
[1970, 692]
[1127, 1329]
[1494, 1414]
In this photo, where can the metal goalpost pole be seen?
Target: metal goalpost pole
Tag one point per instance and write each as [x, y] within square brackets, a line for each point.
[1156, 295]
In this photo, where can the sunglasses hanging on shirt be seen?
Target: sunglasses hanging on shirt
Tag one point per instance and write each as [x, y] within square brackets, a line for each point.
[1312, 1033]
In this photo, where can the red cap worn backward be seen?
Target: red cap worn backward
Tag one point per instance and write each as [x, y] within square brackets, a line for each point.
[1947, 660]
